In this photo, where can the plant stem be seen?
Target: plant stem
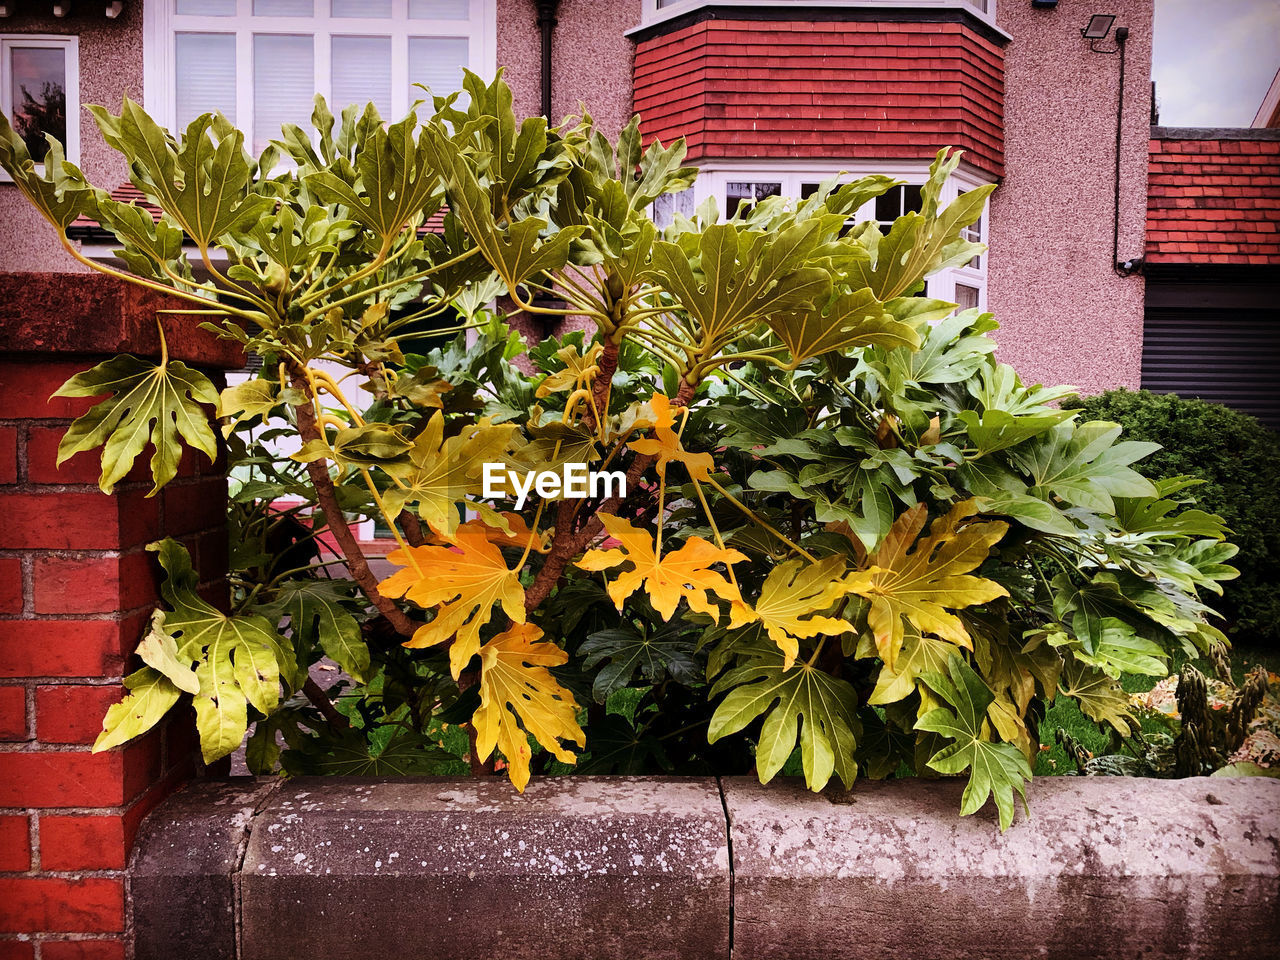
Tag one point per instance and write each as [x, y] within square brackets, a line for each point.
[321, 701]
[318, 471]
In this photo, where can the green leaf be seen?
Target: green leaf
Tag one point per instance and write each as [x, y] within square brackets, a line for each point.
[202, 183]
[655, 650]
[1101, 698]
[239, 660]
[851, 320]
[996, 770]
[803, 702]
[406, 754]
[148, 402]
[1120, 651]
[1082, 464]
[151, 694]
[60, 194]
[920, 655]
[727, 278]
[317, 612]
[398, 181]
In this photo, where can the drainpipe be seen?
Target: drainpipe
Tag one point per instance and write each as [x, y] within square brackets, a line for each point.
[546, 24]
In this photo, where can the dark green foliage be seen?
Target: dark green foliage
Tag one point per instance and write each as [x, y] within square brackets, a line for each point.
[1238, 458]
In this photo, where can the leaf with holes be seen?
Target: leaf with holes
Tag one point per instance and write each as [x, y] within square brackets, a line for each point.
[515, 684]
[461, 583]
[921, 580]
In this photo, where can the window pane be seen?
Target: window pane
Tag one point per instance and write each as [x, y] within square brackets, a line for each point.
[966, 296]
[750, 193]
[207, 8]
[39, 105]
[284, 84]
[361, 72]
[890, 206]
[362, 8]
[283, 8]
[436, 62]
[440, 9]
[206, 75]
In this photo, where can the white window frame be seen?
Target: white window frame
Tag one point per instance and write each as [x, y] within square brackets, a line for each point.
[652, 13]
[71, 58]
[714, 177]
[161, 24]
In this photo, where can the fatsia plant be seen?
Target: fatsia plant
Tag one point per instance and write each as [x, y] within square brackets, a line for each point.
[770, 507]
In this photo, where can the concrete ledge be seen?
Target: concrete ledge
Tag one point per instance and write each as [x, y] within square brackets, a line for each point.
[183, 875]
[636, 868]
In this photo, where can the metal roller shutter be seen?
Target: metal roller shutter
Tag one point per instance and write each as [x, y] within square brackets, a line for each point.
[1227, 356]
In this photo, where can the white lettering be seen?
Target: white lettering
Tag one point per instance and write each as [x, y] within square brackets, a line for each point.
[522, 490]
[494, 481]
[607, 480]
[574, 482]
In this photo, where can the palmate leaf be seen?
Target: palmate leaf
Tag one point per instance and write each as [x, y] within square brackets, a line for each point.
[462, 583]
[618, 747]
[406, 754]
[1083, 465]
[920, 580]
[791, 594]
[398, 183]
[202, 184]
[1101, 698]
[919, 655]
[665, 443]
[803, 701]
[238, 660]
[851, 320]
[318, 613]
[997, 770]
[658, 651]
[150, 696]
[685, 572]
[148, 402]
[515, 683]
[60, 193]
[726, 278]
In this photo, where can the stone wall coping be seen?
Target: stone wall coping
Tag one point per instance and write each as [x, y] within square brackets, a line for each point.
[595, 868]
[87, 314]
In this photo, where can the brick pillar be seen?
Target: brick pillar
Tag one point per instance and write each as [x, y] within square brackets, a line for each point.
[76, 589]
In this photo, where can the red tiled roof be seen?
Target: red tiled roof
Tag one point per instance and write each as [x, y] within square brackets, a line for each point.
[796, 89]
[86, 228]
[1213, 201]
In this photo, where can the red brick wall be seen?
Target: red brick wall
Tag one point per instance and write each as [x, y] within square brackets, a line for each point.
[1214, 201]
[76, 589]
[782, 89]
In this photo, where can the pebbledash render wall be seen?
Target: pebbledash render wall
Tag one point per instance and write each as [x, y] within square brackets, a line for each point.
[1065, 316]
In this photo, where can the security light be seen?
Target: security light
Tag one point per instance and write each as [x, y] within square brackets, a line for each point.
[1099, 26]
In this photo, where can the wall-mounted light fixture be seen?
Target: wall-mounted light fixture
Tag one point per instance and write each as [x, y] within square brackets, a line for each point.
[61, 9]
[1098, 27]
[114, 9]
[1044, 4]
[5, 9]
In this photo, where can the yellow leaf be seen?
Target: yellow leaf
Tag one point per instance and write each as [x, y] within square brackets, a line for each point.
[919, 655]
[515, 682]
[515, 534]
[579, 370]
[463, 583]
[666, 445]
[792, 591]
[680, 573]
[444, 470]
[921, 585]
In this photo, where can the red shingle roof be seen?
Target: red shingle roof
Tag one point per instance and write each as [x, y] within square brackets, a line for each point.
[1213, 201]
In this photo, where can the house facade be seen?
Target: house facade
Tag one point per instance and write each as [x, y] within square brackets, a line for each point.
[1049, 101]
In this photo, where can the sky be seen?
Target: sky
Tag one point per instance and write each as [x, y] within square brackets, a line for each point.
[1214, 60]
